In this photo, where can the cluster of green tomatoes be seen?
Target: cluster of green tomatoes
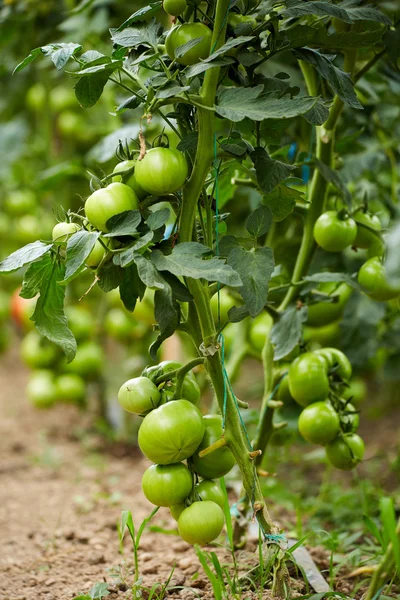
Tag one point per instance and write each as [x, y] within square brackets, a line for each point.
[173, 431]
[336, 231]
[319, 382]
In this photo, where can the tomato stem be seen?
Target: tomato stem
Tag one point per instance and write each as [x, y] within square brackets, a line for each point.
[215, 446]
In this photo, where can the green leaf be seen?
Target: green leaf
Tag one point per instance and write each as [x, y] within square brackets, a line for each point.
[42, 278]
[229, 45]
[131, 102]
[79, 246]
[238, 103]
[335, 179]
[318, 114]
[259, 222]
[148, 273]
[179, 290]
[282, 201]
[30, 58]
[333, 277]
[127, 257]
[181, 50]
[170, 89]
[105, 149]
[131, 288]
[145, 34]
[145, 11]
[110, 276]
[24, 256]
[345, 14]
[127, 524]
[203, 66]
[124, 223]
[158, 218]
[269, 172]
[99, 591]
[89, 88]
[255, 268]
[287, 331]
[59, 54]
[307, 35]
[186, 260]
[339, 81]
[167, 315]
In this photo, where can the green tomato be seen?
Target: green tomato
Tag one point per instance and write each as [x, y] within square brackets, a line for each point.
[139, 396]
[88, 362]
[166, 485]
[80, 322]
[118, 323]
[37, 352]
[177, 509]
[221, 461]
[190, 388]
[345, 452]
[182, 34]
[283, 393]
[372, 277]
[356, 391]
[308, 379]
[41, 389]
[366, 238]
[319, 423]
[171, 433]
[20, 202]
[211, 490]
[70, 125]
[259, 331]
[336, 359]
[36, 97]
[350, 419]
[226, 302]
[70, 388]
[108, 202]
[63, 231]
[97, 254]
[62, 98]
[323, 313]
[161, 171]
[174, 7]
[129, 179]
[334, 234]
[201, 522]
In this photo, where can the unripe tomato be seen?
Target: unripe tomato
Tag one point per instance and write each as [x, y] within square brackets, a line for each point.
[118, 324]
[70, 388]
[37, 352]
[221, 461]
[346, 451]
[260, 328]
[319, 423]
[71, 125]
[308, 379]
[182, 34]
[211, 490]
[364, 237]
[80, 322]
[171, 433]
[89, 360]
[41, 390]
[63, 231]
[108, 202]
[336, 358]
[177, 509]
[372, 277]
[226, 302]
[20, 202]
[377, 248]
[356, 391]
[190, 388]
[283, 393]
[166, 485]
[174, 7]
[350, 419]
[96, 255]
[61, 98]
[201, 523]
[323, 313]
[129, 179]
[139, 396]
[334, 234]
[36, 96]
[161, 171]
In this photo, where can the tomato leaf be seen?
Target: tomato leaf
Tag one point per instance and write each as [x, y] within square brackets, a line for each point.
[89, 88]
[158, 218]
[339, 81]
[186, 260]
[239, 103]
[204, 65]
[259, 222]
[145, 11]
[167, 314]
[282, 201]
[124, 223]
[269, 172]
[345, 14]
[148, 272]
[59, 54]
[110, 276]
[318, 114]
[307, 35]
[145, 34]
[335, 179]
[25, 255]
[42, 278]
[131, 288]
[255, 268]
[79, 246]
[287, 331]
[334, 277]
[181, 50]
[170, 89]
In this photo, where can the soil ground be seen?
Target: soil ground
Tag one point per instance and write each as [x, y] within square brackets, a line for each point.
[61, 498]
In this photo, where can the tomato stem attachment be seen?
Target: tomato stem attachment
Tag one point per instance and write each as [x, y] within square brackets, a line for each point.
[180, 372]
[254, 454]
[215, 446]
